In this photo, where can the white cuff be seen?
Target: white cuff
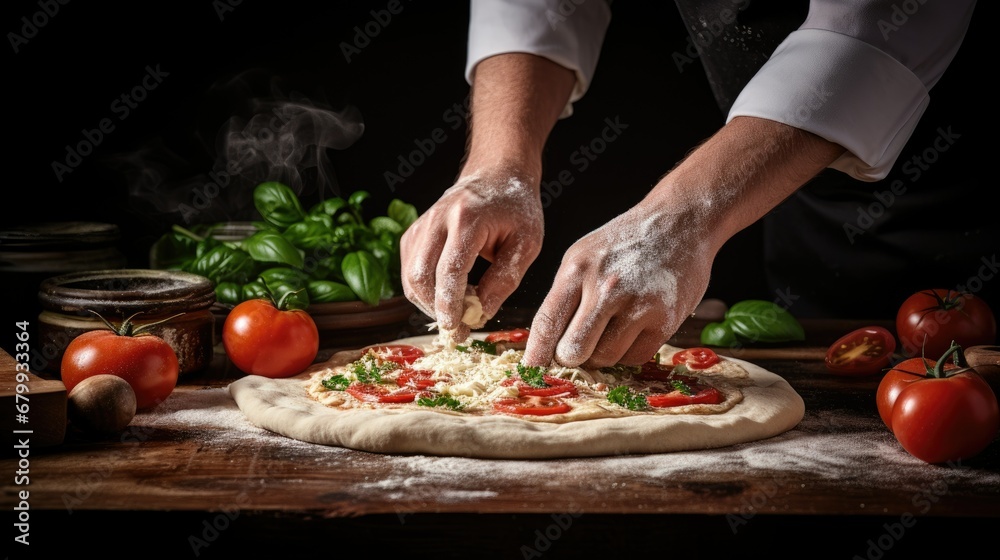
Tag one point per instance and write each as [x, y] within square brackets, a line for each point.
[567, 33]
[841, 89]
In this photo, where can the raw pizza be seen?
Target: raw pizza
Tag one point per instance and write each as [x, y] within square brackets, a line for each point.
[475, 398]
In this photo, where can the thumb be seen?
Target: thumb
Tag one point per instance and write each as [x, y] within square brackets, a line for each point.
[504, 275]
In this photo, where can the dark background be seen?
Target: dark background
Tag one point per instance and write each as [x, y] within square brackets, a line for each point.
[403, 83]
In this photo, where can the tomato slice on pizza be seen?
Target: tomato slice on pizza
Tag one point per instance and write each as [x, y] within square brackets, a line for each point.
[418, 378]
[553, 387]
[531, 406]
[374, 392]
[696, 358]
[690, 394]
[402, 354]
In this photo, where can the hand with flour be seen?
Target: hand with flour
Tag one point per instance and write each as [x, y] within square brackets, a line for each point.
[624, 289]
[493, 211]
[495, 214]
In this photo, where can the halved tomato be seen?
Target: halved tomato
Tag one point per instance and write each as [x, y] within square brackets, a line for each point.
[373, 392]
[402, 354]
[696, 358]
[534, 406]
[864, 351]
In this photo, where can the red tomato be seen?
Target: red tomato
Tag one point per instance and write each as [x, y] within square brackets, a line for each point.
[555, 387]
[146, 361]
[402, 354]
[534, 406]
[696, 358]
[865, 351]
[700, 395]
[928, 322]
[418, 378]
[513, 335]
[261, 339]
[946, 419]
[938, 411]
[373, 392]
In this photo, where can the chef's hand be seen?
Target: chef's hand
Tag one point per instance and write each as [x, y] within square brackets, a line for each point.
[621, 292]
[495, 213]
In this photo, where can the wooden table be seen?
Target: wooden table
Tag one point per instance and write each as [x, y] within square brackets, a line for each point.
[187, 483]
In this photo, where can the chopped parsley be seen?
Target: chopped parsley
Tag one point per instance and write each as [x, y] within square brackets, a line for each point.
[369, 370]
[684, 388]
[623, 395]
[441, 400]
[481, 345]
[336, 383]
[533, 376]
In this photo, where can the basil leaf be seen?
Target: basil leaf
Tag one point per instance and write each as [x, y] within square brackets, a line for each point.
[266, 246]
[325, 291]
[173, 251]
[228, 292]
[382, 224]
[404, 214]
[763, 321]
[328, 207]
[309, 234]
[365, 275]
[277, 204]
[284, 274]
[718, 334]
[254, 290]
[224, 264]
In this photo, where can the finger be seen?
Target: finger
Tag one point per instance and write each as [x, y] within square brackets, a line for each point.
[551, 320]
[585, 329]
[457, 257]
[419, 256]
[614, 342]
[505, 274]
[643, 348]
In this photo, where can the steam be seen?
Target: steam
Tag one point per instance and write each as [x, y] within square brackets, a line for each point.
[272, 137]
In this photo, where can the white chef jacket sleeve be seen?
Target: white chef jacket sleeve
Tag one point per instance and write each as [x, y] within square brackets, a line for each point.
[858, 72]
[567, 33]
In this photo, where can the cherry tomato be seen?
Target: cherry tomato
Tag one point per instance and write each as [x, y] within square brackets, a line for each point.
[929, 320]
[418, 378]
[864, 351]
[402, 354]
[373, 392]
[554, 387]
[938, 411]
[513, 335]
[700, 395]
[534, 406]
[146, 361]
[261, 339]
[696, 358]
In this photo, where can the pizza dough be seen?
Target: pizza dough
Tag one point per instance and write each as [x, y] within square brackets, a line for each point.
[769, 407]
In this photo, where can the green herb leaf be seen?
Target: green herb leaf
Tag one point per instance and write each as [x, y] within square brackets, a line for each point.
[763, 321]
[533, 376]
[382, 224]
[404, 214]
[441, 400]
[718, 334]
[270, 247]
[369, 370]
[364, 275]
[336, 383]
[326, 291]
[679, 385]
[224, 264]
[623, 395]
[620, 369]
[228, 293]
[485, 347]
[278, 204]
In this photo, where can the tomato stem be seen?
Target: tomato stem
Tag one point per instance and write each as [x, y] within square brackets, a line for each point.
[938, 371]
[128, 328]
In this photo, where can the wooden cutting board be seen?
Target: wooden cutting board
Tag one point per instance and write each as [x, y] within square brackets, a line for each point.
[45, 414]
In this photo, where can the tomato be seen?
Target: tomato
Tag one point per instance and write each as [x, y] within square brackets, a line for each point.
[513, 336]
[261, 339]
[937, 411]
[402, 354]
[864, 351]
[146, 361]
[654, 371]
[696, 358]
[700, 395]
[418, 378]
[555, 387]
[534, 406]
[373, 392]
[928, 322]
